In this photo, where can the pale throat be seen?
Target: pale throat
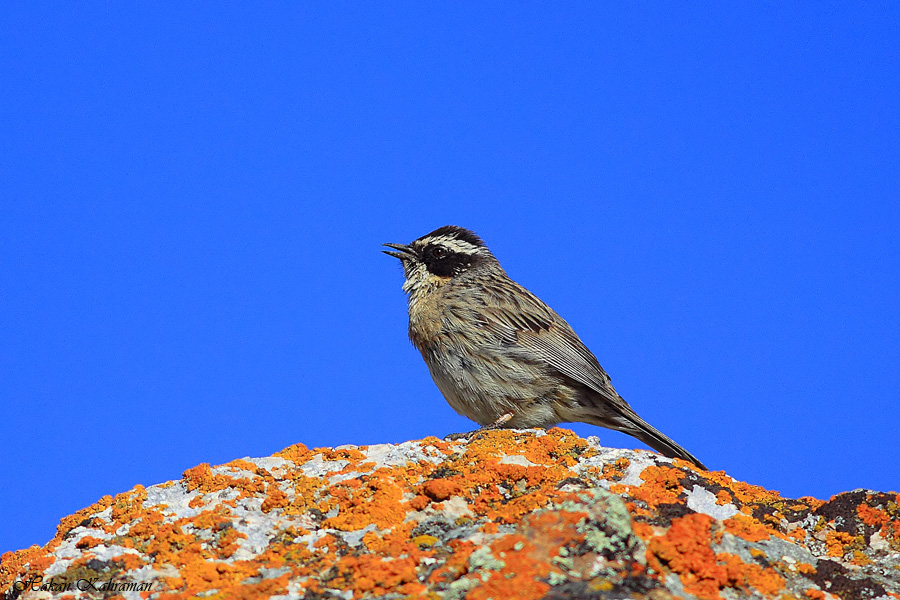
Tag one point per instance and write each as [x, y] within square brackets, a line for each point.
[420, 281]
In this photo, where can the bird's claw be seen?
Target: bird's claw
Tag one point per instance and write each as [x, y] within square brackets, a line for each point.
[477, 433]
[465, 436]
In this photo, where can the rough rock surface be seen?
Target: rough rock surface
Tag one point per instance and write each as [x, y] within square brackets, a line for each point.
[508, 515]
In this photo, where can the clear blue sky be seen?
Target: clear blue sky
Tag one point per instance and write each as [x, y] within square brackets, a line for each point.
[193, 198]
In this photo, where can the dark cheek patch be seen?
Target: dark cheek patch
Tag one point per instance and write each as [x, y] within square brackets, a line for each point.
[447, 266]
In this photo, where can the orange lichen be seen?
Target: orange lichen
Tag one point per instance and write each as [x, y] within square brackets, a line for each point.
[419, 502]
[72, 521]
[662, 485]
[246, 465]
[744, 493]
[372, 574]
[739, 574]
[88, 542]
[441, 489]
[836, 541]
[811, 502]
[275, 498]
[686, 549]
[490, 527]
[377, 502]
[298, 453]
[456, 564]
[814, 594]
[643, 530]
[145, 527]
[874, 517]
[558, 448]
[798, 534]
[128, 561]
[532, 530]
[616, 470]
[524, 568]
[212, 519]
[393, 543]
[35, 558]
[307, 491]
[352, 455]
[747, 528]
[201, 478]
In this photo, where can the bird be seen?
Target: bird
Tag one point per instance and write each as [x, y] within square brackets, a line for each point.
[499, 355]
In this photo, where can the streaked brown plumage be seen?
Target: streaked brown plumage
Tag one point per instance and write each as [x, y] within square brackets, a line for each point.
[499, 355]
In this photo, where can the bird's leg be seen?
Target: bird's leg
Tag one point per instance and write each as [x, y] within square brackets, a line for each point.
[472, 434]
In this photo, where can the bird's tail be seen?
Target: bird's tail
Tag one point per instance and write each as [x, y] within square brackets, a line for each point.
[635, 426]
[664, 444]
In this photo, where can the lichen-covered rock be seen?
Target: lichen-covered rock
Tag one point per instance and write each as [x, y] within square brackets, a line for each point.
[510, 514]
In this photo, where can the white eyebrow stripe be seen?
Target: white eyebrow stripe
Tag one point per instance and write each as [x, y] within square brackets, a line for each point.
[455, 245]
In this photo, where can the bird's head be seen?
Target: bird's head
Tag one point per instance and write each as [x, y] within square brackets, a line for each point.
[440, 256]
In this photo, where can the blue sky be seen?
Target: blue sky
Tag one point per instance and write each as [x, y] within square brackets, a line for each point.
[194, 198]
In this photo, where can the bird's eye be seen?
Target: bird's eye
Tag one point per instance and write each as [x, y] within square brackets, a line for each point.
[438, 252]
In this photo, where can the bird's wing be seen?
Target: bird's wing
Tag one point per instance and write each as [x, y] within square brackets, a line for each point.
[520, 319]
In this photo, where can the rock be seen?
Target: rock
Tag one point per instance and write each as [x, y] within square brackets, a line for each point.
[511, 514]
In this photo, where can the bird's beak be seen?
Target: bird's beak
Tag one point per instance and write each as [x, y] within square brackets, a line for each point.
[405, 252]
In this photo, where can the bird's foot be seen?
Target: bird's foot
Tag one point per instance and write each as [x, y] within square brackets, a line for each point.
[475, 434]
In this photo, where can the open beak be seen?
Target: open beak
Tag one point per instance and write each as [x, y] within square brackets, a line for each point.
[405, 252]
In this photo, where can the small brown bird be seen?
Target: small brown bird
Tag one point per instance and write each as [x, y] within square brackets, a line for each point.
[499, 355]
